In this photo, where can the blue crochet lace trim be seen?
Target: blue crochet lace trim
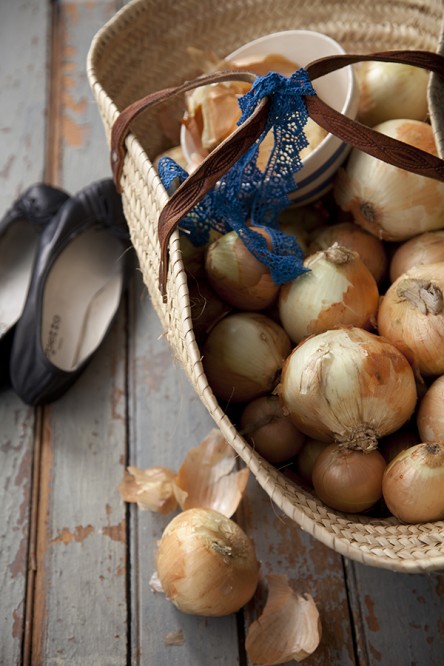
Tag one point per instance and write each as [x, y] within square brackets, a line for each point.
[244, 193]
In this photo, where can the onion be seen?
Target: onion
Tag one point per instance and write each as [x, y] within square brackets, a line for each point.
[307, 457]
[272, 434]
[430, 416]
[389, 90]
[349, 235]
[237, 276]
[348, 386]
[243, 356]
[389, 202]
[206, 307]
[206, 563]
[413, 484]
[348, 480]
[411, 316]
[338, 289]
[427, 248]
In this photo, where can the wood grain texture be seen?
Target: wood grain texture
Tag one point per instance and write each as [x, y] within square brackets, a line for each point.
[79, 601]
[310, 567]
[399, 618]
[23, 61]
[166, 420]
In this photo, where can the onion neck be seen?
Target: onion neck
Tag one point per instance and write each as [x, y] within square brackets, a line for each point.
[362, 438]
[337, 254]
[422, 294]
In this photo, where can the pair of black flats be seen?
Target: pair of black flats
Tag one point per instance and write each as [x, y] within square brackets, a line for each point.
[64, 264]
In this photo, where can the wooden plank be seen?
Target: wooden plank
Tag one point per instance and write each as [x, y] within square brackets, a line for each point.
[310, 567]
[80, 609]
[23, 59]
[81, 126]
[398, 617]
[166, 419]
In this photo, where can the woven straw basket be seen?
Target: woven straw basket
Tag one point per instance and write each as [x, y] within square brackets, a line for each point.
[142, 50]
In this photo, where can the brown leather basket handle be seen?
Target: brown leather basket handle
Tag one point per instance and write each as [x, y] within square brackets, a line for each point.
[364, 138]
[203, 179]
[228, 152]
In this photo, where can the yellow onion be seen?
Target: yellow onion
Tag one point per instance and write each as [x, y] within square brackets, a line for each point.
[243, 356]
[349, 386]
[427, 248]
[206, 307]
[389, 202]
[430, 415]
[206, 563]
[237, 276]
[370, 249]
[270, 432]
[337, 289]
[413, 484]
[307, 457]
[411, 316]
[348, 480]
[389, 90]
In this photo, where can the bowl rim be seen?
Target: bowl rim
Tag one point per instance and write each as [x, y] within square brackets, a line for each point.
[349, 105]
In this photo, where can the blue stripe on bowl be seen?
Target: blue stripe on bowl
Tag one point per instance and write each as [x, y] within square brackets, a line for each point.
[316, 174]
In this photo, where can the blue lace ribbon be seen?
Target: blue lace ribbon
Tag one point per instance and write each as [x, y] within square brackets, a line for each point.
[245, 195]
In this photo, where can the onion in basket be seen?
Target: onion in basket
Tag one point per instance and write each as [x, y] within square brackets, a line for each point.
[243, 356]
[338, 289]
[270, 432]
[349, 235]
[349, 386]
[389, 90]
[413, 484]
[430, 415]
[237, 276]
[427, 248]
[348, 480]
[411, 316]
[391, 203]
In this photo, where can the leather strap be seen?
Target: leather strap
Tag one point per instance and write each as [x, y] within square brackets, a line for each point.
[228, 152]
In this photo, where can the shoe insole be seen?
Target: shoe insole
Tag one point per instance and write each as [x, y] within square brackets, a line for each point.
[81, 296]
[18, 247]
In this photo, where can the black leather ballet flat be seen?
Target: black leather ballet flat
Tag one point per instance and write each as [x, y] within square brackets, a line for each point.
[79, 276]
[20, 230]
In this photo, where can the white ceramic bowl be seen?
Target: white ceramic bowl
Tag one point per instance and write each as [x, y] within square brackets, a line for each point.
[338, 89]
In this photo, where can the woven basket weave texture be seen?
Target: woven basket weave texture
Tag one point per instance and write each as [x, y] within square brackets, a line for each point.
[143, 49]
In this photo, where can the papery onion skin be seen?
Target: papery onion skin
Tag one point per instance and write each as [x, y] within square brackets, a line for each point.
[237, 276]
[270, 432]
[243, 356]
[349, 235]
[390, 90]
[387, 201]
[348, 385]
[206, 563]
[411, 316]
[430, 415]
[348, 480]
[338, 289]
[427, 248]
[413, 484]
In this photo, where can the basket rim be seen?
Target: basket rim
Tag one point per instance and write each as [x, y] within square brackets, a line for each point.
[262, 470]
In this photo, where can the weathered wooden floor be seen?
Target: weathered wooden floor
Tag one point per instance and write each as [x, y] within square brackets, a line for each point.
[75, 562]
